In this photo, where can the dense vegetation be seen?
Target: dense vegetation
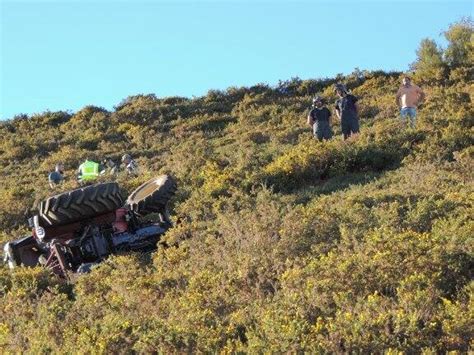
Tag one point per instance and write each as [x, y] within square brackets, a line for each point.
[283, 243]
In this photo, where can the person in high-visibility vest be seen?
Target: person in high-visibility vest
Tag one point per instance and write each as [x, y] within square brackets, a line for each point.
[88, 171]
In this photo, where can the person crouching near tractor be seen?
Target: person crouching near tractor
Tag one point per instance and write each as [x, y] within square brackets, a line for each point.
[57, 176]
[130, 165]
[88, 172]
[319, 118]
[108, 165]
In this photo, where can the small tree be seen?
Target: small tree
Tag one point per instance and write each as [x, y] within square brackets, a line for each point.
[429, 67]
[460, 51]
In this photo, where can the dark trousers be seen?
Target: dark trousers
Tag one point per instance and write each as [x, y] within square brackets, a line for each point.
[322, 130]
[349, 126]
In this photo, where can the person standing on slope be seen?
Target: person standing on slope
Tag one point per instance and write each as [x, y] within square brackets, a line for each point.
[347, 111]
[408, 98]
[319, 118]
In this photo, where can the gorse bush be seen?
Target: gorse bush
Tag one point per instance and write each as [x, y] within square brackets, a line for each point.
[380, 147]
[282, 243]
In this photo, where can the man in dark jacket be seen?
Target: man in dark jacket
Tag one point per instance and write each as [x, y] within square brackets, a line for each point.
[320, 119]
[347, 111]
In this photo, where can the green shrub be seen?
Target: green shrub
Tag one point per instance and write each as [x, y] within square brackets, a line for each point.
[282, 243]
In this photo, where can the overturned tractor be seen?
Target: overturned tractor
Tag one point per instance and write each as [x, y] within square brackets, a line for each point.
[77, 229]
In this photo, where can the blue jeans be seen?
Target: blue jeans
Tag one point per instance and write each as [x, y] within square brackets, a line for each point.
[410, 113]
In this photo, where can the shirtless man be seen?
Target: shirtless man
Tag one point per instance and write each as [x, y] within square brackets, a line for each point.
[408, 97]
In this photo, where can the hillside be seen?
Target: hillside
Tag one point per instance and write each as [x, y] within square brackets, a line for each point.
[283, 243]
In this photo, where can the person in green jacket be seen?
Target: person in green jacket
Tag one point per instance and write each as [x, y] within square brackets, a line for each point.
[88, 171]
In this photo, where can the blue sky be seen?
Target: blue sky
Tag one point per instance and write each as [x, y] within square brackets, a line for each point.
[63, 55]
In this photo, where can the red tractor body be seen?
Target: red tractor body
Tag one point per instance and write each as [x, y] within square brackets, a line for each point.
[68, 237]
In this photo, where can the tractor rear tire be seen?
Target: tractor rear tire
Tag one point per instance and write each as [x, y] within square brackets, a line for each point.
[80, 204]
[152, 196]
